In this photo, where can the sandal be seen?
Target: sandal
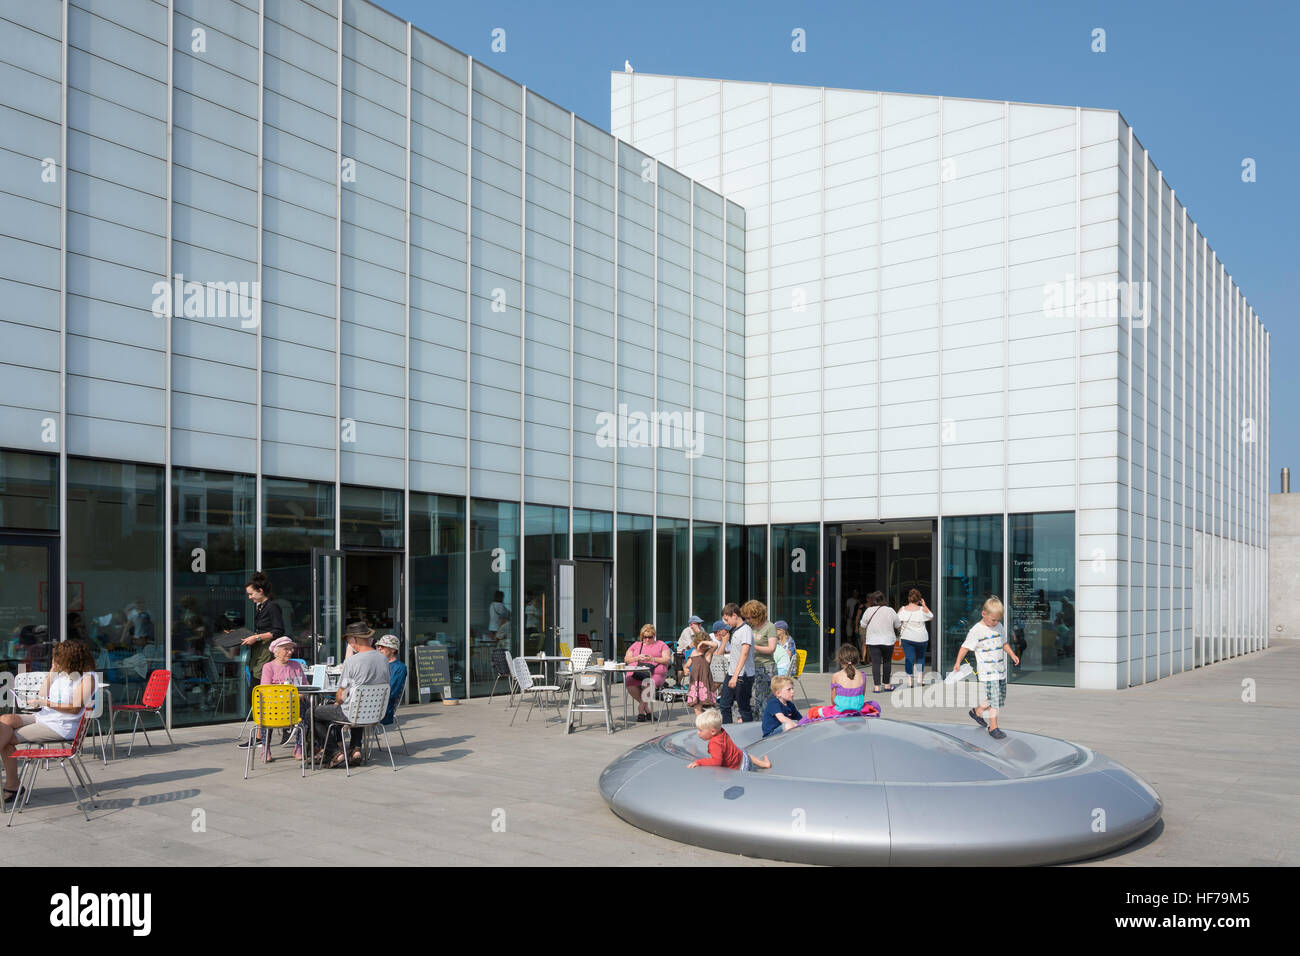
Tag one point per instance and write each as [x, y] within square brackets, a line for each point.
[355, 757]
[337, 761]
[11, 795]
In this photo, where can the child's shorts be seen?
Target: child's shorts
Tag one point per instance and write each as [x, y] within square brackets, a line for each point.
[994, 691]
[699, 693]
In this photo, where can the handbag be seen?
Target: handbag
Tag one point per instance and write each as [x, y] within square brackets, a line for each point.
[640, 673]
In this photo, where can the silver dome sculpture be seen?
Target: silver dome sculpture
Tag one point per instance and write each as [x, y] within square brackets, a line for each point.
[874, 791]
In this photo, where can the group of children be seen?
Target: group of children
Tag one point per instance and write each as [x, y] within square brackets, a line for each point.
[848, 691]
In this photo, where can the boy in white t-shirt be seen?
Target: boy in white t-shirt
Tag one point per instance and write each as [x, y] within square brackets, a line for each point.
[991, 649]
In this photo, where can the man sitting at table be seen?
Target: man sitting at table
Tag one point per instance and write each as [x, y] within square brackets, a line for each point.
[365, 666]
[390, 647]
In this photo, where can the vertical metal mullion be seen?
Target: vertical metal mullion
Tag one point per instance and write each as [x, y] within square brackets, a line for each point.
[1127, 586]
[573, 151]
[1146, 374]
[880, 231]
[1078, 360]
[654, 404]
[405, 596]
[258, 489]
[613, 637]
[64, 528]
[1186, 389]
[690, 370]
[167, 368]
[1160, 419]
[523, 357]
[338, 282]
[1006, 306]
[469, 324]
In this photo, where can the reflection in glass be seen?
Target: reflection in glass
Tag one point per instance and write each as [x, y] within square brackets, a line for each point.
[546, 537]
[493, 592]
[370, 517]
[746, 565]
[115, 559]
[1041, 605]
[707, 571]
[297, 516]
[437, 584]
[29, 491]
[635, 579]
[593, 533]
[796, 560]
[972, 571]
[213, 553]
[673, 553]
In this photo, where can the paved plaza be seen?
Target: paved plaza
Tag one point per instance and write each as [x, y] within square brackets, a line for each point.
[475, 790]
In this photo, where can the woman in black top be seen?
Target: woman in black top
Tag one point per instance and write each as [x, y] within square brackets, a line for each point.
[268, 623]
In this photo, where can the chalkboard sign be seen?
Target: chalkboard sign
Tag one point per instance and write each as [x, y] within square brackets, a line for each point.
[432, 670]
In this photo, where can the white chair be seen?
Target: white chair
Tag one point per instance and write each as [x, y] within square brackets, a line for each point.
[364, 708]
[96, 713]
[527, 688]
[579, 658]
[26, 686]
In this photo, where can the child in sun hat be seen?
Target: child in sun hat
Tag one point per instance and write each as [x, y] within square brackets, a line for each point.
[699, 682]
[991, 649]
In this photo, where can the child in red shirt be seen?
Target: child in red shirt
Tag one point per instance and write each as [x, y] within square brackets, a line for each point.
[723, 751]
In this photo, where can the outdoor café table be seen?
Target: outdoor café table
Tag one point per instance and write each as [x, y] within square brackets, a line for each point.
[311, 692]
[606, 678]
[544, 659]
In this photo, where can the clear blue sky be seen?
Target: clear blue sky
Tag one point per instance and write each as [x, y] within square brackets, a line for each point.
[1203, 85]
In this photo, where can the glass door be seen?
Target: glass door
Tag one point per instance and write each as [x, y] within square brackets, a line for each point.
[29, 601]
[327, 606]
[560, 635]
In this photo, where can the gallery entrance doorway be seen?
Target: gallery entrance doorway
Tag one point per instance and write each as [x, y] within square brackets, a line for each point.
[887, 556]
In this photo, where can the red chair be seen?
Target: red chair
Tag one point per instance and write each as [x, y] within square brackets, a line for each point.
[153, 701]
[68, 754]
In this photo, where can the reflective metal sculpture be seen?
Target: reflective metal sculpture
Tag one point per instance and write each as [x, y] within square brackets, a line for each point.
[875, 791]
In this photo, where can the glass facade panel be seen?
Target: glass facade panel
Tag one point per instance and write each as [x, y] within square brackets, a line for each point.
[1041, 605]
[796, 560]
[437, 582]
[746, 564]
[634, 566]
[493, 587]
[297, 516]
[214, 540]
[673, 554]
[546, 537]
[370, 517]
[972, 571]
[593, 534]
[29, 491]
[706, 571]
[115, 563]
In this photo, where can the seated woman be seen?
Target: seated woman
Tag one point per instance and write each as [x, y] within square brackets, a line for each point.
[848, 690]
[650, 654]
[67, 690]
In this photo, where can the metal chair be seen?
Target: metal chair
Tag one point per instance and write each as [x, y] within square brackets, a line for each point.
[364, 708]
[152, 702]
[528, 688]
[274, 706]
[26, 686]
[97, 713]
[502, 668]
[391, 718]
[67, 754]
[802, 657]
[579, 658]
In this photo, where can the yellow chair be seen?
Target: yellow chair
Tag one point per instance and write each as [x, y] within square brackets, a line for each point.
[564, 650]
[802, 655]
[275, 706]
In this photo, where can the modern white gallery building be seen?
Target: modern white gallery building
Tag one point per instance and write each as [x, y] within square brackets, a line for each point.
[291, 285]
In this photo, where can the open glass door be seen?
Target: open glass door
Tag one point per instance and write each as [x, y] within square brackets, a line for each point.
[561, 630]
[327, 593]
